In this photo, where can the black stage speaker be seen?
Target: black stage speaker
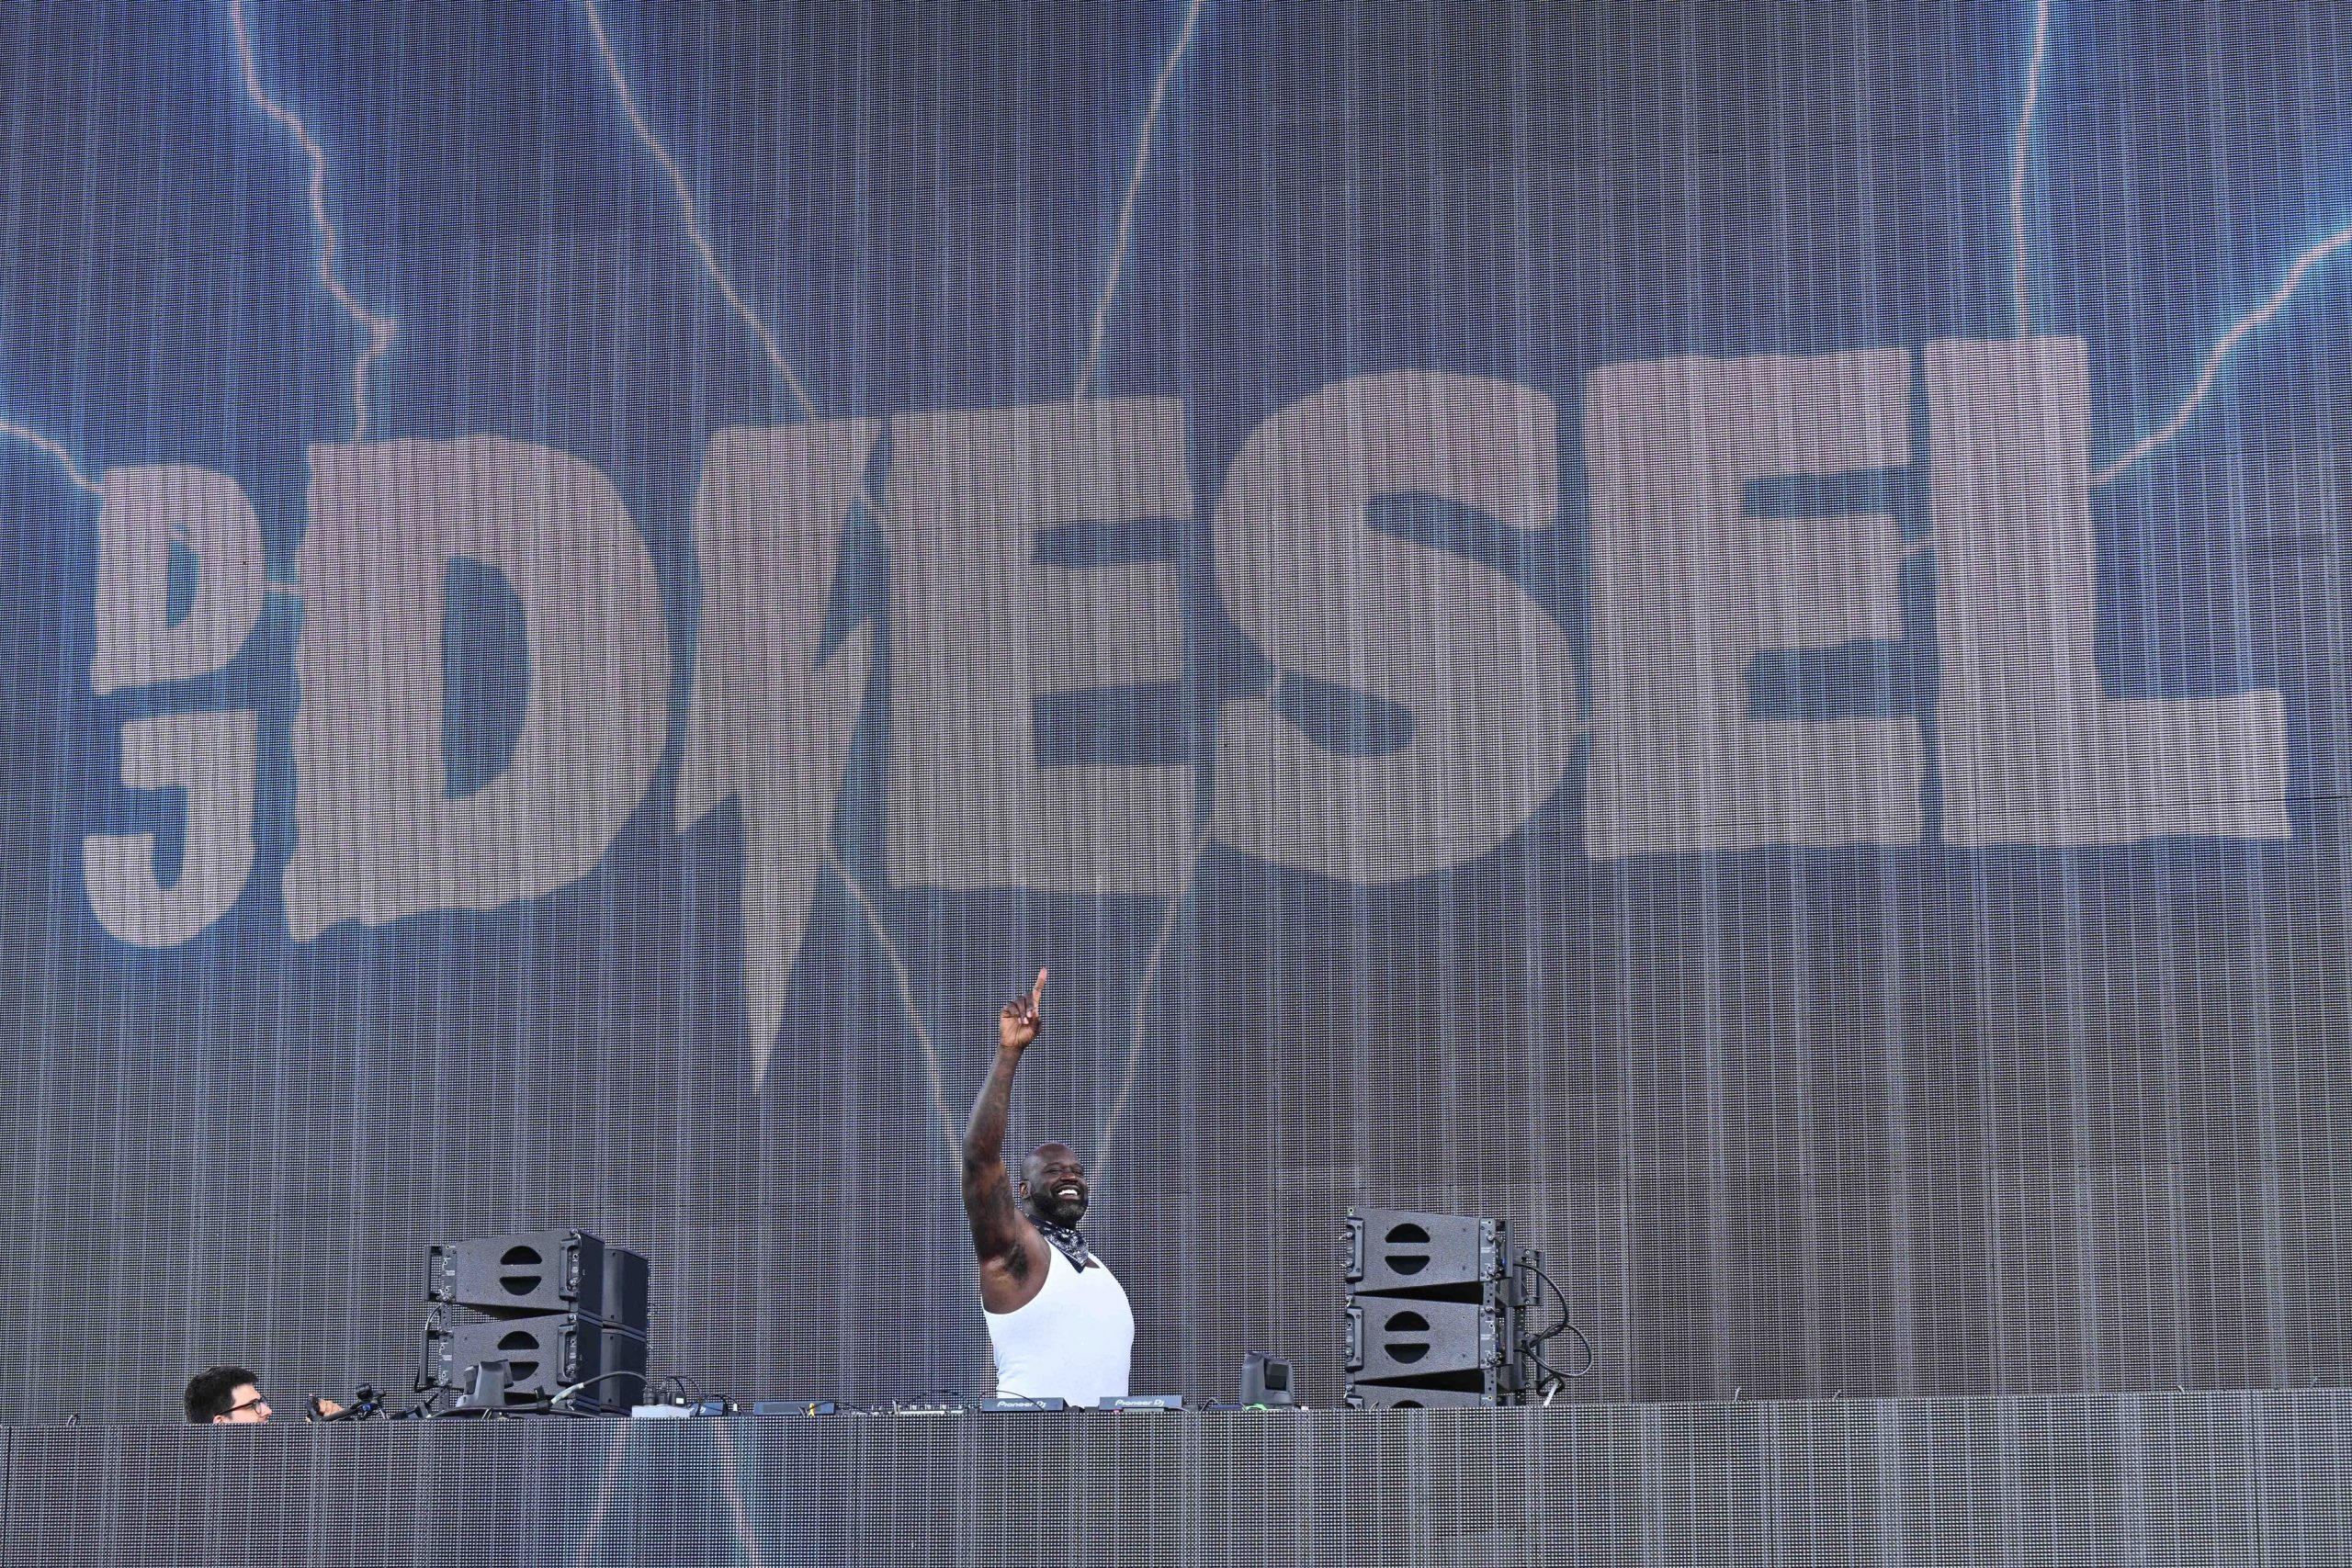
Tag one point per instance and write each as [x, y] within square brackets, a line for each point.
[513, 1275]
[1393, 1339]
[1405, 1252]
[563, 1308]
[621, 1360]
[627, 1289]
[545, 1355]
[1432, 1310]
[1400, 1396]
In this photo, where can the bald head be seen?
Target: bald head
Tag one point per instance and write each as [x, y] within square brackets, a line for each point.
[1053, 1184]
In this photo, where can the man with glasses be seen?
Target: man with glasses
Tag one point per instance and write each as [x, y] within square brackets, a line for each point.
[226, 1396]
[230, 1396]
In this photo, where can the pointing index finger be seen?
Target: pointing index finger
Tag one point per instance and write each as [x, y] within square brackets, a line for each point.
[1037, 991]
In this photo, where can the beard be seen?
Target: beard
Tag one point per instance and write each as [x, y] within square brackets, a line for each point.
[1061, 1212]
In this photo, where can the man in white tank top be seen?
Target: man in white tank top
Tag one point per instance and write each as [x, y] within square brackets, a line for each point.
[1057, 1318]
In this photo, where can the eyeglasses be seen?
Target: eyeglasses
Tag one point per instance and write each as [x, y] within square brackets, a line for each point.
[255, 1402]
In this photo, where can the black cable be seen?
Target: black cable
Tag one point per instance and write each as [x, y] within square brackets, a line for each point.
[366, 1402]
[678, 1383]
[1560, 1294]
[1553, 1372]
[432, 1396]
[528, 1407]
[1564, 1327]
[572, 1389]
[940, 1395]
[428, 1381]
[434, 1325]
[1548, 1380]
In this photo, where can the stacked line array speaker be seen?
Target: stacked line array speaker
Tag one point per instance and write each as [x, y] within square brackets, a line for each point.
[555, 1307]
[1432, 1311]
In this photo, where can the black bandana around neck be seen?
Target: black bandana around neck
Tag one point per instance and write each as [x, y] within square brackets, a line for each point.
[1070, 1244]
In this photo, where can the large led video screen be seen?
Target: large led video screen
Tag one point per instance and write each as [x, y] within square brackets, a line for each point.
[1717, 629]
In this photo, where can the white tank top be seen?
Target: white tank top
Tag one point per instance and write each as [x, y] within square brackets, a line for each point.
[1071, 1341]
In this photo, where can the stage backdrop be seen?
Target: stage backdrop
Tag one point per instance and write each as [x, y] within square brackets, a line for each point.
[1718, 629]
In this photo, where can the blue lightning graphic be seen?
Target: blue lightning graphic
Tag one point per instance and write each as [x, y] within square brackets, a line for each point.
[1143, 994]
[1087, 374]
[2208, 374]
[52, 451]
[2246, 327]
[1127, 206]
[698, 237]
[706, 250]
[906, 993]
[2021, 154]
[380, 330]
[690, 214]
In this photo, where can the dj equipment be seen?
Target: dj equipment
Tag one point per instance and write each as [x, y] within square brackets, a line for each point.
[1265, 1380]
[486, 1387]
[366, 1402]
[1140, 1401]
[1432, 1311]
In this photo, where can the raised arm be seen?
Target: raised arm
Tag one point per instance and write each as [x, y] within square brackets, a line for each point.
[1010, 1252]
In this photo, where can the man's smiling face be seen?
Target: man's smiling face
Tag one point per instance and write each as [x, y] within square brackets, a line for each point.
[1053, 1183]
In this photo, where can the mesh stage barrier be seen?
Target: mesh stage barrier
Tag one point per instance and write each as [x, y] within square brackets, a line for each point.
[2130, 1480]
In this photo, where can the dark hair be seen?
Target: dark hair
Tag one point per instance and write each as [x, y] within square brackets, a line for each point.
[212, 1391]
